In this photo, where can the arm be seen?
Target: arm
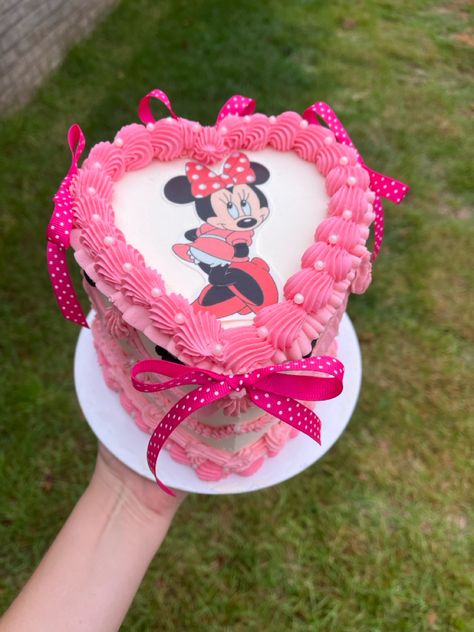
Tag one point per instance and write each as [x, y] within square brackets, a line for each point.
[89, 576]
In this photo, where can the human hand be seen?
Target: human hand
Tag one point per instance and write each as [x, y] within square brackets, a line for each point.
[144, 497]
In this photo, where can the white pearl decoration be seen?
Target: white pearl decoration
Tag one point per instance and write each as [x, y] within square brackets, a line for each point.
[262, 332]
[298, 298]
[343, 160]
[347, 214]
[179, 318]
[319, 264]
[127, 266]
[351, 180]
[333, 239]
[155, 291]
[150, 126]
[91, 191]
[118, 142]
[109, 240]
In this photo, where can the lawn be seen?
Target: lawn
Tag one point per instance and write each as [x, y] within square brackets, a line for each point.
[376, 536]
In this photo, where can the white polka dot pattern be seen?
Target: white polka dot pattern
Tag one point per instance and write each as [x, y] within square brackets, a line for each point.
[275, 389]
[59, 237]
[204, 182]
[383, 186]
[236, 105]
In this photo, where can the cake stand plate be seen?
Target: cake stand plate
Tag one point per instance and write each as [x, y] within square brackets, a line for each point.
[117, 431]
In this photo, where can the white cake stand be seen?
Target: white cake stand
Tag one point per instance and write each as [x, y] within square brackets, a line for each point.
[117, 431]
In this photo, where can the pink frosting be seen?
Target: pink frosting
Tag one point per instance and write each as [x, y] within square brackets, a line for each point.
[169, 311]
[309, 141]
[346, 234]
[142, 286]
[199, 337]
[352, 199]
[235, 406]
[100, 235]
[363, 276]
[336, 261]
[316, 288]
[189, 131]
[347, 175]
[166, 138]
[113, 263]
[256, 132]
[136, 146]
[283, 322]
[93, 183]
[233, 130]
[209, 146]
[107, 157]
[244, 349]
[332, 155]
[115, 324]
[283, 131]
[89, 209]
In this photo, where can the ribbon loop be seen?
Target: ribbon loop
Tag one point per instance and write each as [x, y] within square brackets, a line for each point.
[237, 105]
[144, 109]
[59, 236]
[275, 389]
[382, 185]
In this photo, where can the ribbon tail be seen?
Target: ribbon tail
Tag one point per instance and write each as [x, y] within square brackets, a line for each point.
[289, 410]
[192, 401]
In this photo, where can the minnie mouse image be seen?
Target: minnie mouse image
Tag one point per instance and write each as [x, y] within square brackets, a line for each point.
[231, 206]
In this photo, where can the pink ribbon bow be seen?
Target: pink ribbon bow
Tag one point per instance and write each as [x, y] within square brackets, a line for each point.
[204, 182]
[273, 389]
[382, 185]
[59, 237]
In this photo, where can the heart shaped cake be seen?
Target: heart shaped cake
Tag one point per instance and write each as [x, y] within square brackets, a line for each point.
[229, 248]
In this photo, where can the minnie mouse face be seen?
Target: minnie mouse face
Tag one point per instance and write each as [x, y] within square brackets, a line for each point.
[237, 207]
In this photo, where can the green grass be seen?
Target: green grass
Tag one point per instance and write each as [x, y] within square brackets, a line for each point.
[376, 536]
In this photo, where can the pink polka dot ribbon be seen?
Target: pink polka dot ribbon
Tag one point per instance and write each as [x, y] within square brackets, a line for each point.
[382, 185]
[144, 109]
[236, 105]
[204, 182]
[275, 389]
[59, 237]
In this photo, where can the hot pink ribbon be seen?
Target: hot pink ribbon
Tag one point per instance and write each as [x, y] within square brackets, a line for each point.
[59, 237]
[382, 185]
[273, 389]
[144, 109]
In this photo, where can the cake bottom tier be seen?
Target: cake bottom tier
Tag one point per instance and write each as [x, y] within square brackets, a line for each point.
[209, 462]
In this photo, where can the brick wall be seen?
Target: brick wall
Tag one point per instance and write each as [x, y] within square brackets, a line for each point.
[34, 37]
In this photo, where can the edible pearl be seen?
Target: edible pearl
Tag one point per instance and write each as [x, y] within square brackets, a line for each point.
[155, 291]
[262, 332]
[333, 239]
[109, 240]
[351, 180]
[328, 140]
[347, 214]
[91, 191]
[97, 165]
[343, 160]
[272, 119]
[127, 266]
[223, 130]
[179, 318]
[96, 217]
[298, 298]
[196, 127]
[150, 127]
[304, 123]
[247, 118]
[118, 142]
[319, 264]
[218, 349]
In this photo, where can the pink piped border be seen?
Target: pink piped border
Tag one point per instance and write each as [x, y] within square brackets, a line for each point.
[330, 268]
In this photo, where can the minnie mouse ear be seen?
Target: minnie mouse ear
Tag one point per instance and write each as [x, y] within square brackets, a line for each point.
[178, 190]
[261, 173]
